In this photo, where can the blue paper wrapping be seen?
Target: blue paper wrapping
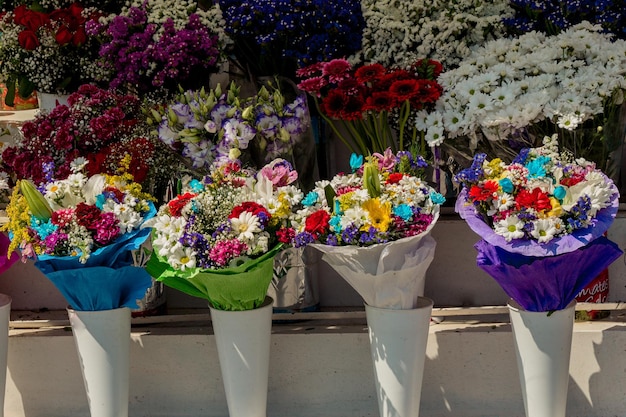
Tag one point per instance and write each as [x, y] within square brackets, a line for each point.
[107, 280]
[546, 283]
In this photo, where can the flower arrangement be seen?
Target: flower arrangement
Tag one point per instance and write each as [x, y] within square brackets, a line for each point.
[104, 127]
[47, 51]
[75, 216]
[373, 103]
[373, 227]
[217, 127]
[383, 200]
[542, 195]
[159, 44]
[512, 92]
[277, 37]
[398, 33]
[554, 16]
[230, 222]
[541, 219]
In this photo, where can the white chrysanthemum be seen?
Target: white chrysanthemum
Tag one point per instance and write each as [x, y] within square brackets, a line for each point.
[353, 216]
[245, 226]
[546, 229]
[510, 228]
[182, 258]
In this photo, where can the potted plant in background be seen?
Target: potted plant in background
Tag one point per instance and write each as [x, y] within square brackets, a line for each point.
[47, 50]
[541, 219]
[217, 240]
[372, 227]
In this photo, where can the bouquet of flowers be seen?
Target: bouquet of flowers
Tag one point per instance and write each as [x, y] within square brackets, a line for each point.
[218, 237]
[398, 33]
[81, 231]
[512, 92]
[47, 50]
[554, 16]
[215, 127]
[542, 219]
[160, 44]
[104, 127]
[373, 225]
[373, 103]
[275, 38]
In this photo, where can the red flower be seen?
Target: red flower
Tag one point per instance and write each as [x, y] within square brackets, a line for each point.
[336, 70]
[573, 180]
[369, 73]
[395, 178]
[80, 37]
[535, 199]
[250, 207]
[177, 204]
[353, 109]
[286, 234]
[487, 192]
[403, 90]
[379, 101]
[28, 40]
[333, 104]
[63, 35]
[87, 215]
[30, 19]
[427, 92]
[317, 223]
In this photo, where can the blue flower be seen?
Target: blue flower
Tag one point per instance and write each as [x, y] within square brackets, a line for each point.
[537, 167]
[196, 186]
[507, 185]
[356, 161]
[560, 192]
[310, 199]
[335, 224]
[437, 198]
[403, 211]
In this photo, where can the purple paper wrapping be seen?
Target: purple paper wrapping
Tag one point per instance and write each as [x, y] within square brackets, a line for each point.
[556, 246]
[546, 283]
[6, 261]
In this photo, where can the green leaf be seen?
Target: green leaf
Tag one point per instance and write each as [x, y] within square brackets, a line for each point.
[330, 194]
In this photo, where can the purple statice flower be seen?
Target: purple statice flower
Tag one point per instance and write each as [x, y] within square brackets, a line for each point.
[474, 172]
[303, 239]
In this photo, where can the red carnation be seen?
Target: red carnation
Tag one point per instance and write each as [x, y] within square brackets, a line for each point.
[317, 223]
[176, 205]
[250, 207]
[395, 178]
[87, 215]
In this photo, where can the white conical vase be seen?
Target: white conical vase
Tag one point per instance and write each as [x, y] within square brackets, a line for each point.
[103, 343]
[5, 315]
[243, 348]
[543, 343]
[398, 341]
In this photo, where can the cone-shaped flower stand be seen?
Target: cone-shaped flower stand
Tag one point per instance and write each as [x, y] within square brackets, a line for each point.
[398, 344]
[103, 343]
[5, 314]
[243, 348]
[543, 343]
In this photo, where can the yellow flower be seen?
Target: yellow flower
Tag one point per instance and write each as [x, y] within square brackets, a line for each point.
[346, 201]
[557, 210]
[379, 214]
[494, 168]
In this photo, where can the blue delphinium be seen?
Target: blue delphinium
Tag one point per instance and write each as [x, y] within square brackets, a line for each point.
[274, 37]
[553, 16]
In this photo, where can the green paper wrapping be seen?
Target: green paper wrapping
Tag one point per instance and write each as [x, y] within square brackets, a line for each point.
[237, 288]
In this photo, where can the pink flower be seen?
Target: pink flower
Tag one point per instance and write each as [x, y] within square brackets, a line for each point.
[279, 172]
[336, 70]
[224, 251]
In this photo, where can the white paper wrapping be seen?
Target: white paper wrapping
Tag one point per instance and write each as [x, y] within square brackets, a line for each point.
[388, 275]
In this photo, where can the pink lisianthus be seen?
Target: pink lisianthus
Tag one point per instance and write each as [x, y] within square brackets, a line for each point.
[279, 172]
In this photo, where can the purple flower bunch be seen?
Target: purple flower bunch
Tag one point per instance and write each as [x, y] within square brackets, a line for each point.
[144, 55]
